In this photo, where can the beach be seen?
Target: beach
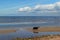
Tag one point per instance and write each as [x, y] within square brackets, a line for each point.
[5, 31]
[24, 26]
[40, 29]
[44, 37]
[45, 29]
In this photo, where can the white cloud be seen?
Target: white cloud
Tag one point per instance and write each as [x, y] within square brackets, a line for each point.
[21, 9]
[25, 9]
[57, 5]
[42, 8]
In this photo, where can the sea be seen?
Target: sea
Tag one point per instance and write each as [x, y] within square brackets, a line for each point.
[21, 22]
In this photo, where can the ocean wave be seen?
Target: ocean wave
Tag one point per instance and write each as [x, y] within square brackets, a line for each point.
[23, 23]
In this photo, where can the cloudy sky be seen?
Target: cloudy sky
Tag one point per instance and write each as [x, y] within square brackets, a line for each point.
[29, 7]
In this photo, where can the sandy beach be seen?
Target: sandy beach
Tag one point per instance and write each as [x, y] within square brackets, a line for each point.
[43, 37]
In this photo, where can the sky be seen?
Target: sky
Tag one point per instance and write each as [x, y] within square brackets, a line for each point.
[29, 7]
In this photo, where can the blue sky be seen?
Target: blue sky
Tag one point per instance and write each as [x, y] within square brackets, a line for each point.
[14, 7]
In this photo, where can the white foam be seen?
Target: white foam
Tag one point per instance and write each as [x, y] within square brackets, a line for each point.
[23, 23]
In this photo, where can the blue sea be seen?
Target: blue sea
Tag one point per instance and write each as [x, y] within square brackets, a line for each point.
[21, 22]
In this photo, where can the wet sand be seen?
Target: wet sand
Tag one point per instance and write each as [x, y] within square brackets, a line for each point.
[43, 37]
[6, 31]
[40, 29]
[45, 29]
